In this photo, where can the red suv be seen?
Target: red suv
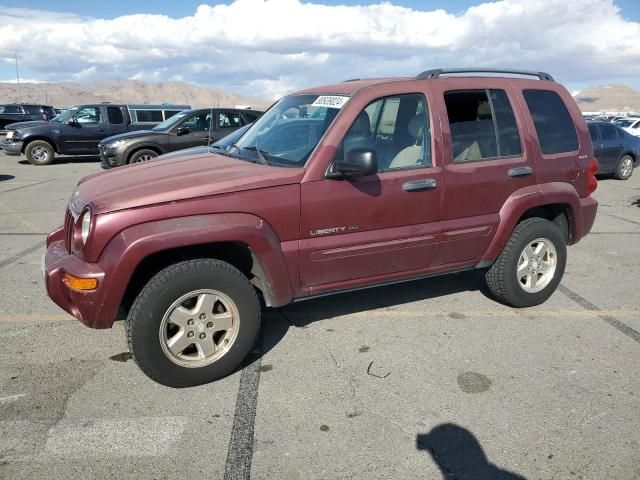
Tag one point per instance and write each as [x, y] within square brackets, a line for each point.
[335, 188]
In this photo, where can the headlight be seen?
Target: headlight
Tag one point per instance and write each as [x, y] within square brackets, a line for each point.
[116, 144]
[10, 134]
[85, 226]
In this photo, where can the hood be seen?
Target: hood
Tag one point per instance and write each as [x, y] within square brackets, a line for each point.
[128, 135]
[172, 180]
[23, 125]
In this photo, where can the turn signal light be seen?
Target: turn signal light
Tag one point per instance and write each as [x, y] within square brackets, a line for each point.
[592, 182]
[80, 283]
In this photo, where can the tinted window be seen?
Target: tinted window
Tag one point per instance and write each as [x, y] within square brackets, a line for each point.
[198, 122]
[555, 129]
[608, 132]
[12, 109]
[250, 116]
[33, 109]
[170, 113]
[148, 116]
[482, 125]
[397, 129]
[115, 115]
[593, 131]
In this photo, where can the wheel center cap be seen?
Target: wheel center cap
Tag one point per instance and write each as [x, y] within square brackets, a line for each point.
[536, 265]
[200, 326]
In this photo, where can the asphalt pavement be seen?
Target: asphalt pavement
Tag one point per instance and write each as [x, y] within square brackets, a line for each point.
[426, 380]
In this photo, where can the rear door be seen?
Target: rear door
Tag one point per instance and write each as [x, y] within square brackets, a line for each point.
[379, 226]
[227, 121]
[610, 146]
[485, 163]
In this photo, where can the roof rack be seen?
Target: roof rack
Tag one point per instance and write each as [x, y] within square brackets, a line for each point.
[352, 80]
[436, 72]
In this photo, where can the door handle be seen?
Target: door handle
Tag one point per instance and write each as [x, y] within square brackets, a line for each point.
[101, 129]
[520, 172]
[419, 185]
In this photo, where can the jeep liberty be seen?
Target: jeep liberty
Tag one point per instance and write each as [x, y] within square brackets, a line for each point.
[334, 188]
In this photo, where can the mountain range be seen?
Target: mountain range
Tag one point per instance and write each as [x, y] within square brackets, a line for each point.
[66, 94]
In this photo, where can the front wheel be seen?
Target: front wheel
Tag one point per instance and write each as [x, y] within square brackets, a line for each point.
[624, 168]
[143, 156]
[530, 267]
[193, 323]
[39, 152]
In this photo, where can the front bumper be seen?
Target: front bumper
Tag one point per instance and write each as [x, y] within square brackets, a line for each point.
[110, 157]
[10, 147]
[90, 306]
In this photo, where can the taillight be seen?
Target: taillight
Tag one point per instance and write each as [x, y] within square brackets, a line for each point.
[592, 182]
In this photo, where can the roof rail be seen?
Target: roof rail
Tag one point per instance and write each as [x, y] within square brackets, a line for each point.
[351, 80]
[436, 72]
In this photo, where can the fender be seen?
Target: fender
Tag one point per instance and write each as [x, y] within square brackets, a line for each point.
[530, 197]
[35, 136]
[127, 249]
[141, 146]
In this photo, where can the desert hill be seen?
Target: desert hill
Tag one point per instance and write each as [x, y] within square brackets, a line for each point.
[66, 94]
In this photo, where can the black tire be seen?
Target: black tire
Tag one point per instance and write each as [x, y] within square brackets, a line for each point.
[143, 155]
[39, 152]
[623, 172]
[161, 292]
[502, 278]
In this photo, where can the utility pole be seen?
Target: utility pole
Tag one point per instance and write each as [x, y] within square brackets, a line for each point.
[18, 78]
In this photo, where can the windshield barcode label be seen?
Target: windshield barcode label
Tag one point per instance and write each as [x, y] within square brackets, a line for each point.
[330, 101]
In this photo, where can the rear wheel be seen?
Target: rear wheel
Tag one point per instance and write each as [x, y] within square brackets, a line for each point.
[39, 152]
[624, 168]
[193, 323]
[143, 156]
[531, 265]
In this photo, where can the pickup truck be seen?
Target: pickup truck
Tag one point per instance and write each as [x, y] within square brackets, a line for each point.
[22, 112]
[78, 130]
[335, 188]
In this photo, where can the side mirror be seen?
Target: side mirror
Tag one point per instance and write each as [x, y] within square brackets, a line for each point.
[182, 131]
[357, 162]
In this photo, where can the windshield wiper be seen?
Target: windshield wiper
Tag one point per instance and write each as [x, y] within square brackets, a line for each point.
[261, 153]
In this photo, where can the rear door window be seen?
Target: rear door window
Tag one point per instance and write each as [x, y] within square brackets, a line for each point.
[115, 115]
[148, 116]
[593, 131]
[608, 132]
[555, 129]
[482, 125]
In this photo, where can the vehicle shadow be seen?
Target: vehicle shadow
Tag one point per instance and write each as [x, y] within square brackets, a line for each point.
[6, 177]
[276, 322]
[459, 455]
[636, 203]
[69, 159]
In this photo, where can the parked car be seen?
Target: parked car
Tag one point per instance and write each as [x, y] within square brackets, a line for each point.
[19, 112]
[630, 125]
[189, 128]
[219, 147]
[78, 130]
[393, 180]
[617, 151]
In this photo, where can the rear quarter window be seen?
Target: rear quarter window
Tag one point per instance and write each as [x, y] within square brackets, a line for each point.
[555, 129]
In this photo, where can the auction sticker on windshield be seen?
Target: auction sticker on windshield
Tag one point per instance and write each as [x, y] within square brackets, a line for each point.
[330, 101]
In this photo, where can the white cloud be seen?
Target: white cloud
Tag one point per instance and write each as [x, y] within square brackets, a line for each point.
[267, 48]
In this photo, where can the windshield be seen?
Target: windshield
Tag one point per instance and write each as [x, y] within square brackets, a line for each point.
[64, 116]
[290, 130]
[170, 122]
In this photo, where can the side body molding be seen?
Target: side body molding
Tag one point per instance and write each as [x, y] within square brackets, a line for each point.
[127, 249]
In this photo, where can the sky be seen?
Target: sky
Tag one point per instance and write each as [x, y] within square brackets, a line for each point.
[267, 48]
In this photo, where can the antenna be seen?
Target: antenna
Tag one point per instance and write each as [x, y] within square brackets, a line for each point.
[15, 54]
[210, 125]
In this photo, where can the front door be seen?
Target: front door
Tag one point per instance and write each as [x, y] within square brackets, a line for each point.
[193, 131]
[381, 225]
[85, 130]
